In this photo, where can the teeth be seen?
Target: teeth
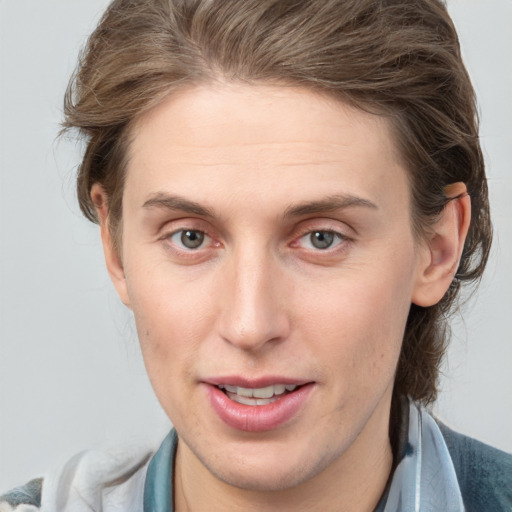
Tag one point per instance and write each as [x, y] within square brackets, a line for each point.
[258, 393]
[246, 392]
[279, 389]
[252, 401]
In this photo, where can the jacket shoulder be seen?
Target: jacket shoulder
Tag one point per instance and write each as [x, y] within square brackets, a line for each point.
[28, 494]
[484, 473]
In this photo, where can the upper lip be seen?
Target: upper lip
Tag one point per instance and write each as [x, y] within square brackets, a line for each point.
[254, 383]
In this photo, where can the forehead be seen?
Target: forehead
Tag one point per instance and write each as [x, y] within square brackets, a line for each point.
[244, 137]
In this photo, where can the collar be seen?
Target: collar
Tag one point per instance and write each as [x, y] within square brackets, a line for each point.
[424, 479]
[158, 489]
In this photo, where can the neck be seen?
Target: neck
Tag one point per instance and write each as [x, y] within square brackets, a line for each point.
[354, 482]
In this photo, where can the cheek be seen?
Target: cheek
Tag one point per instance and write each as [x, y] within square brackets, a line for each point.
[169, 344]
[169, 317]
[358, 322]
[175, 317]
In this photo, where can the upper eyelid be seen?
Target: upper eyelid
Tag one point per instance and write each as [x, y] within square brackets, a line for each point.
[179, 230]
[166, 238]
[337, 233]
[305, 227]
[341, 236]
[190, 223]
[186, 228]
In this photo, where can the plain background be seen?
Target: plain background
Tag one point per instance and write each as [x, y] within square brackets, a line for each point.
[71, 375]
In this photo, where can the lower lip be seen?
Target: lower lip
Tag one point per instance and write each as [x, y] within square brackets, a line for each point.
[258, 418]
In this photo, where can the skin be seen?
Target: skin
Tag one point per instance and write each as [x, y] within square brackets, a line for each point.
[258, 298]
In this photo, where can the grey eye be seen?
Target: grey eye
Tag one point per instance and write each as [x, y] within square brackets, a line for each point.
[322, 239]
[189, 238]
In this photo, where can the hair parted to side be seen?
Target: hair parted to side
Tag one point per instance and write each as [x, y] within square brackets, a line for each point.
[396, 58]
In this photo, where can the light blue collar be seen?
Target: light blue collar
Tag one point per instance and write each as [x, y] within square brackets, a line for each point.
[158, 495]
[424, 480]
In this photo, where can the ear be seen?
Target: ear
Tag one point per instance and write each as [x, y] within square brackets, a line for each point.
[440, 256]
[112, 258]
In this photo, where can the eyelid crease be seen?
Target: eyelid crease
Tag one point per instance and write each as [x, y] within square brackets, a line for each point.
[306, 227]
[171, 226]
[341, 236]
[325, 224]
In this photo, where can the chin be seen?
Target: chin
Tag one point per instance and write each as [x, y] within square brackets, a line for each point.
[262, 479]
[277, 471]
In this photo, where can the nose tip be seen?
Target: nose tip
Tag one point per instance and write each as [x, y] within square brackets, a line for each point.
[252, 307]
[253, 336]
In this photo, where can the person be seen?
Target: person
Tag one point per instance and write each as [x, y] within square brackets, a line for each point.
[291, 196]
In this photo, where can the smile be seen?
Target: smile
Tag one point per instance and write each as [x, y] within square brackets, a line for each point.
[257, 396]
[257, 406]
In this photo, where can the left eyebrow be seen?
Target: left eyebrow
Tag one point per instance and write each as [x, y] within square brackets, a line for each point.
[329, 204]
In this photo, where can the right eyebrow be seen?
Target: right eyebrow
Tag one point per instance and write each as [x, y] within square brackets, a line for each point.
[177, 203]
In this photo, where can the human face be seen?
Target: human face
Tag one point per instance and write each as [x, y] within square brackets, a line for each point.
[267, 240]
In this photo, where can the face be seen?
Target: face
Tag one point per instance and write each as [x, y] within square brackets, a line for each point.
[269, 260]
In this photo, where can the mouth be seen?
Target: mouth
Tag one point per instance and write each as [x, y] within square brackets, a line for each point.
[257, 396]
[258, 405]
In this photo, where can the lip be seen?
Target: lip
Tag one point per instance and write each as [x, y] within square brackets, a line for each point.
[260, 382]
[257, 418]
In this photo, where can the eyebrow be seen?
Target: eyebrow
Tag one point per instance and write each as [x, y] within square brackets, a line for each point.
[177, 203]
[329, 204]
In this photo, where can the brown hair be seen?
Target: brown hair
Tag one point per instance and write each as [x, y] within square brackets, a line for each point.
[398, 58]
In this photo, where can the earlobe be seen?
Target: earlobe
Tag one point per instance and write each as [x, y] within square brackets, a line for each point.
[440, 254]
[112, 258]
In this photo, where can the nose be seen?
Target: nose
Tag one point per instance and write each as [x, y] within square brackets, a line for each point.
[252, 301]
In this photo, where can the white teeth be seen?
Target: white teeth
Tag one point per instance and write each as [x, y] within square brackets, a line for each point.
[246, 392]
[279, 389]
[252, 401]
[261, 392]
[241, 395]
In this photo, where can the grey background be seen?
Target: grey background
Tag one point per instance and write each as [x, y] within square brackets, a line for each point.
[71, 376]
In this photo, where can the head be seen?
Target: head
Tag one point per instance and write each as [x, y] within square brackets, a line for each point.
[396, 64]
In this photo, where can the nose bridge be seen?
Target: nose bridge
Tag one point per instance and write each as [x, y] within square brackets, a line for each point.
[252, 312]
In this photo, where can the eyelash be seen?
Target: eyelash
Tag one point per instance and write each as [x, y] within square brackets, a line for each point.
[169, 238]
[339, 239]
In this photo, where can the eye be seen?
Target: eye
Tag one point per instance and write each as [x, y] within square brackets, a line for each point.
[189, 238]
[321, 240]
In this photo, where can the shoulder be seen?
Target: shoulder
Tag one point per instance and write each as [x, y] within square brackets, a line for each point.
[23, 499]
[104, 480]
[484, 473]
